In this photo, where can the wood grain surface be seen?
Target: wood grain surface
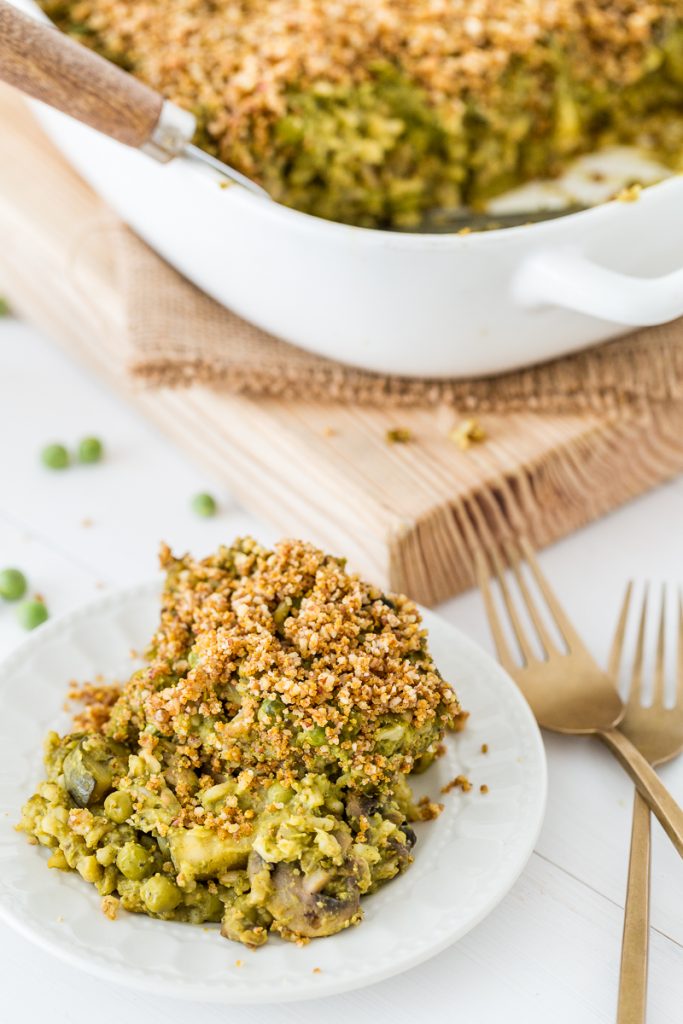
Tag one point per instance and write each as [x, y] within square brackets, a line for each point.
[42, 62]
[323, 470]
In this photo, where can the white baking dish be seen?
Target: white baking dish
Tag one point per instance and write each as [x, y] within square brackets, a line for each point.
[423, 305]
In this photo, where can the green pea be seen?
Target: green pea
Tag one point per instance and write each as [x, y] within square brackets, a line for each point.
[279, 794]
[118, 806]
[55, 456]
[283, 611]
[4, 307]
[270, 710]
[192, 658]
[160, 895]
[31, 614]
[12, 584]
[90, 449]
[134, 861]
[389, 738]
[204, 505]
[315, 736]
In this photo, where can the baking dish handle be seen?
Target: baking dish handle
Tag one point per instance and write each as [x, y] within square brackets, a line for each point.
[567, 278]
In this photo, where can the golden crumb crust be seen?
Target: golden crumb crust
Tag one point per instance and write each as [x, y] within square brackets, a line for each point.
[280, 662]
[235, 62]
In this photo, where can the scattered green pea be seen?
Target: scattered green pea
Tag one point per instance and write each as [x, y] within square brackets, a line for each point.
[31, 614]
[90, 449]
[55, 456]
[12, 584]
[4, 307]
[204, 505]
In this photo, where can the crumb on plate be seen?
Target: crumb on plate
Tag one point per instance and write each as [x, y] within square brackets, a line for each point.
[459, 782]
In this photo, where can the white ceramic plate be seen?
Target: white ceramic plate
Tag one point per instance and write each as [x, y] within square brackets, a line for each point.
[465, 862]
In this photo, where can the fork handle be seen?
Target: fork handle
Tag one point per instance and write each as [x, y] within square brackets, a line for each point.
[653, 790]
[634, 946]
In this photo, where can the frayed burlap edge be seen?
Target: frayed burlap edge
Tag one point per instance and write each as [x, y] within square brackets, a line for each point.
[177, 336]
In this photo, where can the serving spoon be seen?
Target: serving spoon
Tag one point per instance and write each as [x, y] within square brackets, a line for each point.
[48, 65]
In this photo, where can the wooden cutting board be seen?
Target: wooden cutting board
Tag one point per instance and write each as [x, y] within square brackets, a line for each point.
[400, 512]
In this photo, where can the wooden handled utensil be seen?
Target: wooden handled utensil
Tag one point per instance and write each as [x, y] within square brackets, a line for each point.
[42, 62]
[46, 64]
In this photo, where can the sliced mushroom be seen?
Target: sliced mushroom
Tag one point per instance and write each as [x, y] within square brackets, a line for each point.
[91, 768]
[360, 805]
[310, 913]
[403, 849]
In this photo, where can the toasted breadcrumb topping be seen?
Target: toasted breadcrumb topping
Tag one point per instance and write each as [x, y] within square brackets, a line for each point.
[235, 62]
[97, 700]
[271, 664]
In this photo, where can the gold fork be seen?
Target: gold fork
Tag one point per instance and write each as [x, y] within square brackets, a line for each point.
[657, 731]
[567, 690]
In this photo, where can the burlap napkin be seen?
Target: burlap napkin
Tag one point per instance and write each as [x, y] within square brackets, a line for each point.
[177, 336]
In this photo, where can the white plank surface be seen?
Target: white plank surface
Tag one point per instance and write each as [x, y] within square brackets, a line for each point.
[551, 950]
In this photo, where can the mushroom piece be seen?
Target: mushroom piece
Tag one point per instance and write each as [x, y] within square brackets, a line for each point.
[91, 767]
[298, 904]
[311, 914]
[403, 849]
[360, 805]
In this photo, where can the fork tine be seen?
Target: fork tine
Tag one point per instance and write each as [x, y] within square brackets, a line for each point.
[526, 650]
[679, 672]
[490, 545]
[484, 583]
[660, 669]
[619, 634]
[546, 640]
[567, 631]
[634, 694]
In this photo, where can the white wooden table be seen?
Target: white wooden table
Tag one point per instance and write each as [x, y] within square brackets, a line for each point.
[550, 953]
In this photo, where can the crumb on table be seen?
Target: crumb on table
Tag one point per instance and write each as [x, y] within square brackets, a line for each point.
[483, 788]
[398, 435]
[467, 433]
